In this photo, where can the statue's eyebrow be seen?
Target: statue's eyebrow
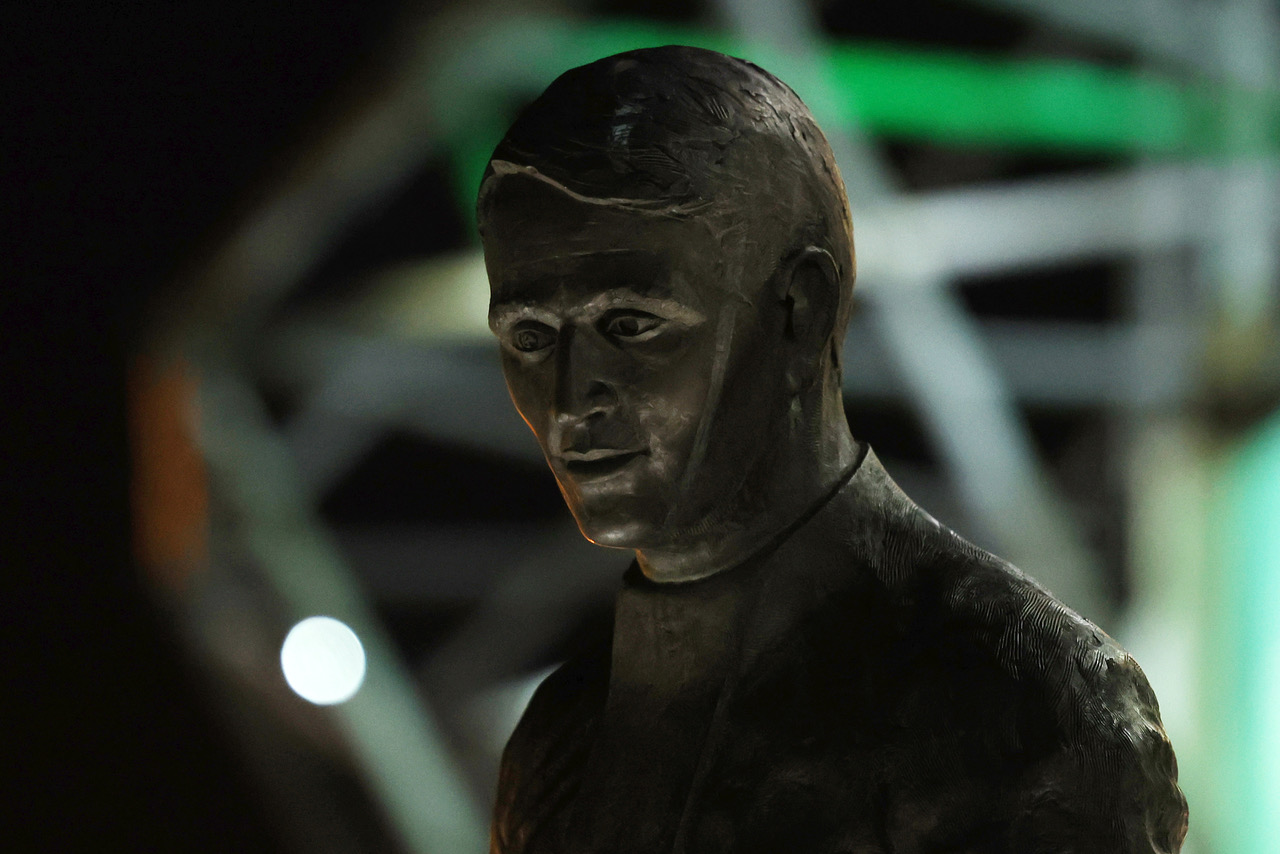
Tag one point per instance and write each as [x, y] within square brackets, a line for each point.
[506, 313]
[625, 271]
[503, 314]
[632, 300]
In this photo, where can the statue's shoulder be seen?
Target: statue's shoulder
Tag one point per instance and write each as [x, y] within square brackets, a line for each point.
[545, 754]
[996, 656]
[976, 598]
[1077, 687]
[946, 588]
[1030, 632]
[568, 699]
[939, 601]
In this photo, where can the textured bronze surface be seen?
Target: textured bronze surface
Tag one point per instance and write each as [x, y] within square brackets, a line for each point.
[801, 659]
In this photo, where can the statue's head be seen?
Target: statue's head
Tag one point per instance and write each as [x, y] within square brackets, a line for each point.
[669, 248]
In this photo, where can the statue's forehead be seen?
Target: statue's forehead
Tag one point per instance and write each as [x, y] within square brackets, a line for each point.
[614, 191]
[538, 275]
[540, 237]
[542, 224]
[558, 278]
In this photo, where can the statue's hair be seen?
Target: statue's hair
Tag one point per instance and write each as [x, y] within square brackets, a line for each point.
[682, 131]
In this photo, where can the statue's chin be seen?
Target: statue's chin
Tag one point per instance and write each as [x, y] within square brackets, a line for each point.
[616, 534]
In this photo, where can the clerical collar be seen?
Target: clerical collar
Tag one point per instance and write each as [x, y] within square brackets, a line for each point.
[635, 577]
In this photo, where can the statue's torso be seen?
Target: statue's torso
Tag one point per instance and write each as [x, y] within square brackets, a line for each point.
[874, 685]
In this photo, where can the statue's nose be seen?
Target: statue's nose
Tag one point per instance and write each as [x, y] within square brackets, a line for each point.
[585, 386]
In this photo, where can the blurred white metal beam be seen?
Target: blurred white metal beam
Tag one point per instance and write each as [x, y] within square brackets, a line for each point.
[1005, 227]
[1187, 32]
[398, 744]
[426, 563]
[356, 387]
[984, 443]
[1244, 262]
[353, 167]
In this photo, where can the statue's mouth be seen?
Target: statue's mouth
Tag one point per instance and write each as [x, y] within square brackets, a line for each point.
[598, 462]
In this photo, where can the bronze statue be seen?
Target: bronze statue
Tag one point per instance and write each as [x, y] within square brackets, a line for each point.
[802, 659]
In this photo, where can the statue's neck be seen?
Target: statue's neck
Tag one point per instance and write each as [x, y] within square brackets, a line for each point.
[797, 484]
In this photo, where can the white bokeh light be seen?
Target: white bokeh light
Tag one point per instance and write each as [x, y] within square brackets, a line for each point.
[323, 661]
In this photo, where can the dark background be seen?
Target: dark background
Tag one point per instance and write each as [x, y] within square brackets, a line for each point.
[133, 130]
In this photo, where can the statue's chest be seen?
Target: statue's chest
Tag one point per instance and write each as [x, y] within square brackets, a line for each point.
[804, 760]
[788, 775]
[784, 766]
[810, 746]
[770, 787]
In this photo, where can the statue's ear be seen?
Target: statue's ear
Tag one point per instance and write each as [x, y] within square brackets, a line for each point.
[809, 287]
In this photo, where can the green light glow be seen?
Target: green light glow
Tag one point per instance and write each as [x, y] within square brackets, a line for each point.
[1243, 700]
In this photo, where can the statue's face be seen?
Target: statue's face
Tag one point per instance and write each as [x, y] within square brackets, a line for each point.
[630, 355]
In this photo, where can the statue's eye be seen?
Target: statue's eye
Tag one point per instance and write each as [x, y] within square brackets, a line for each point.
[631, 324]
[531, 339]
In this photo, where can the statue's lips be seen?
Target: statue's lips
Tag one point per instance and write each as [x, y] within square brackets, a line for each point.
[597, 462]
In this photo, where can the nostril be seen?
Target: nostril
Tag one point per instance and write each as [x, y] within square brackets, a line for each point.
[585, 400]
[598, 391]
[573, 420]
[574, 432]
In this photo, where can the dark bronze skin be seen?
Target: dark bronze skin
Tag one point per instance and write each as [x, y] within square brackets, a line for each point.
[801, 658]
[647, 367]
